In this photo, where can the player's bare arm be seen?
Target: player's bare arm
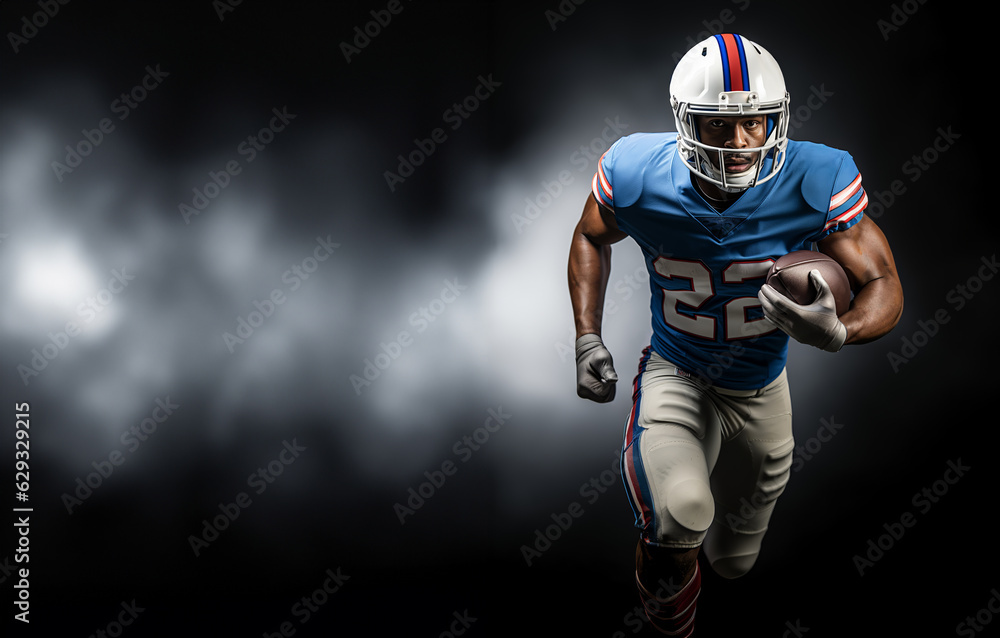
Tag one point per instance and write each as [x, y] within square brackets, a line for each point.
[590, 265]
[589, 269]
[864, 253]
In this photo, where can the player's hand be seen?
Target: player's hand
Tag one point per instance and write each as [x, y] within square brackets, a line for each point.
[595, 371]
[815, 324]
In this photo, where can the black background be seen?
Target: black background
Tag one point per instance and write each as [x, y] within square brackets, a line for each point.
[501, 344]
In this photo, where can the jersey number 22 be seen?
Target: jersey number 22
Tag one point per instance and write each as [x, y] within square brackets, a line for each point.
[737, 325]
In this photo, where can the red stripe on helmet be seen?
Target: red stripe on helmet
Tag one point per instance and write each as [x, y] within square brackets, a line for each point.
[735, 69]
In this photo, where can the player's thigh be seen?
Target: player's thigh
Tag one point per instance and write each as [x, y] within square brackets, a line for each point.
[754, 466]
[668, 458]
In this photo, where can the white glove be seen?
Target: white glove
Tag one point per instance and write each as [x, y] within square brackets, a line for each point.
[815, 324]
[595, 371]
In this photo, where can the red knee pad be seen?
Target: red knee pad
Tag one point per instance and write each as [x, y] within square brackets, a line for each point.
[672, 614]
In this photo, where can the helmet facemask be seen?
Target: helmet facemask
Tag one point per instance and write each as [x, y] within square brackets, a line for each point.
[699, 156]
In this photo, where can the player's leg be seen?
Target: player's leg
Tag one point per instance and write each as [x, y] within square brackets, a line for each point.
[669, 584]
[666, 567]
[753, 468]
[671, 442]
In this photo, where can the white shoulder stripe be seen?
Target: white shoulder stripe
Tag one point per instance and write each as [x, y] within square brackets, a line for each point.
[847, 193]
[851, 212]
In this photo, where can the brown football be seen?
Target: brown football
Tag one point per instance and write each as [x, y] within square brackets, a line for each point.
[790, 276]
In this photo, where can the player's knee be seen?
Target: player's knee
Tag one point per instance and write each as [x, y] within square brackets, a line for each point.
[689, 504]
[733, 566]
[730, 553]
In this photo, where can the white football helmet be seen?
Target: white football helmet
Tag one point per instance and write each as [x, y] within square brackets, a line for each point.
[727, 74]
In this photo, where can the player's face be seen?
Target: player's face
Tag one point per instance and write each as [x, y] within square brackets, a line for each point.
[732, 132]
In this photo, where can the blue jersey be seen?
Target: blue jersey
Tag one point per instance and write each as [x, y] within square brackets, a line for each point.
[705, 267]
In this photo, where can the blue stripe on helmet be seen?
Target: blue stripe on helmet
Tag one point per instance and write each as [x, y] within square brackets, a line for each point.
[727, 81]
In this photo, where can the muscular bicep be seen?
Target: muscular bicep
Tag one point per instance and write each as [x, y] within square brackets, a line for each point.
[863, 251]
[597, 223]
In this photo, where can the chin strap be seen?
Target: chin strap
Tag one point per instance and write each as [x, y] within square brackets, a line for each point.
[708, 169]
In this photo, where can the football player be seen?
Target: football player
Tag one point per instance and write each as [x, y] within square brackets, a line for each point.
[708, 442]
